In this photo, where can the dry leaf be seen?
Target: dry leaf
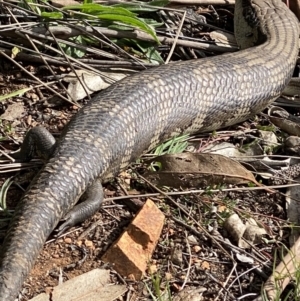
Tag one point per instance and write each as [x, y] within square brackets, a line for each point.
[92, 82]
[195, 170]
[13, 112]
[222, 38]
[245, 259]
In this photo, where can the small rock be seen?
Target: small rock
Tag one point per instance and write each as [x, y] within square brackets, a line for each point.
[190, 294]
[171, 232]
[205, 265]
[68, 240]
[92, 286]
[292, 144]
[197, 249]
[89, 244]
[130, 254]
[192, 239]
[177, 256]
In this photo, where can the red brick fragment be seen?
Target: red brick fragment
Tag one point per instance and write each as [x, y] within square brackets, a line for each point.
[131, 253]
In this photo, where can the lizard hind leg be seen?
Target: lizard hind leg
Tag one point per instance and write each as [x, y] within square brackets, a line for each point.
[93, 198]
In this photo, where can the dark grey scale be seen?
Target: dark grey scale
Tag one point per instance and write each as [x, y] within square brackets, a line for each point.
[39, 141]
[127, 118]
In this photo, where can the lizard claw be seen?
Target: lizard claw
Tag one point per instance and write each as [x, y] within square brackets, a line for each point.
[69, 222]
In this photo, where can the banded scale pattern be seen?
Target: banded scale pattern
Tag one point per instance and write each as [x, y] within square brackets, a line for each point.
[137, 113]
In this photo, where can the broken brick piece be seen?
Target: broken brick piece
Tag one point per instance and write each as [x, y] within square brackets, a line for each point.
[131, 253]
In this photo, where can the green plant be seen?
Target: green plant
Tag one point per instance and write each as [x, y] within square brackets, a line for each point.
[175, 145]
[155, 292]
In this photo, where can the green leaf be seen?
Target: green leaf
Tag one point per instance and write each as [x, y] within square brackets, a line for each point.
[15, 93]
[15, 51]
[124, 27]
[154, 56]
[136, 8]
[145, 49]
[119, 27]
[73, 51]
[141, 7]
[134, 22]
[113, 14]
[52, 15]
[172, 146]
[31, 5]
[141, 49]
[90, 41]
[160, 3]
[151, 22]
[94, 8]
